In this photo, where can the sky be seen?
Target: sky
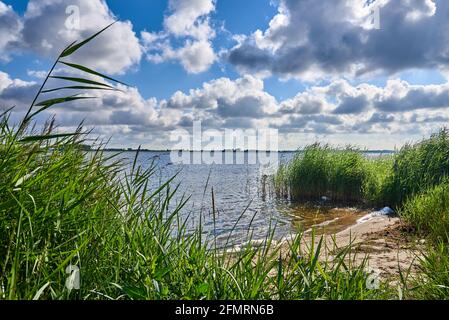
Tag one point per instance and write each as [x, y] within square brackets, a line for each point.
[368, 73]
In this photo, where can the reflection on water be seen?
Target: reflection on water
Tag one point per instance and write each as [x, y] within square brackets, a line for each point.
[244, 201]
[327, 220]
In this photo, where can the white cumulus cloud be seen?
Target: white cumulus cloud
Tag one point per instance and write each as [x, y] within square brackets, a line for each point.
[188, 22]
[49, 26]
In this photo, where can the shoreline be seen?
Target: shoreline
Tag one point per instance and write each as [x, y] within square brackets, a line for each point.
[381, 239]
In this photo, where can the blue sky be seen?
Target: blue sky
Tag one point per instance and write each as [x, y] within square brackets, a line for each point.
[312, 70]
[157, 80]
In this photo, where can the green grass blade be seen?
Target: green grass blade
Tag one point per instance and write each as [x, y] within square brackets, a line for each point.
[54, 101]
[73, 48]
[79, 88]
[93, 72]
[81, 80]
[47, 137]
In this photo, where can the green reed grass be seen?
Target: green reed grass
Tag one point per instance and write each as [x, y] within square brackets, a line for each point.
[429, 211]
[417, 167]
[344, 175]
[431, 281]
[377, 173]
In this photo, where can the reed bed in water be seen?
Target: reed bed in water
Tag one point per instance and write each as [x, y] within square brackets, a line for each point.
[346, 175]
[342, 175]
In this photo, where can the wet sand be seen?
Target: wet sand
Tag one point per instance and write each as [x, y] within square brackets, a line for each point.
[386, 243]
[383, 240]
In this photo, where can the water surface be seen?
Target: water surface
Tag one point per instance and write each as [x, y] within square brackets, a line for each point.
[243, 199]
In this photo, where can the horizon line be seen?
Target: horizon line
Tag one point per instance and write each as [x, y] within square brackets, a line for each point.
[233, 150]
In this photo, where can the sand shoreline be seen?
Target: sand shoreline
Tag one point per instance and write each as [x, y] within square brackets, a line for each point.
[379, 238]
[389, 251]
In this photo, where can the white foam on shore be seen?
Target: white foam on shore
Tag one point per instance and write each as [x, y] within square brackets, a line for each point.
[325, 223]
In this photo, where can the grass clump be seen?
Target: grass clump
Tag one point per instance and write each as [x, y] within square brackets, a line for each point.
[54, 210]
[418, 167]
[348, 176]
[344, 175]
[418, 186]
[378, 171]
[431, 281]
[429, 211]
[307, 174]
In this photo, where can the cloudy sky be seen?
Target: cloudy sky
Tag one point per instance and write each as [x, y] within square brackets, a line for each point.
[371, 73]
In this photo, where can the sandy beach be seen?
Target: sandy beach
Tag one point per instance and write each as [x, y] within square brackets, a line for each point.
[383, 240]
